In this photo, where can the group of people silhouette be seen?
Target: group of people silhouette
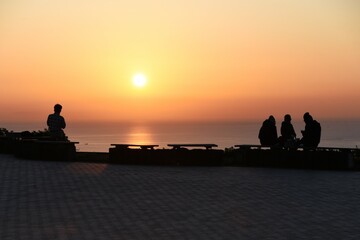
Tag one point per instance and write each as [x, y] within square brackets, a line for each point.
[268, 133]
[310, 136]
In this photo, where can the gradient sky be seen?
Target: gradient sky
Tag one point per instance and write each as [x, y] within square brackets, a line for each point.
[204, 60]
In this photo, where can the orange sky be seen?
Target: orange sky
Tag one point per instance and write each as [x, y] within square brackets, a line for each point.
[204, 60]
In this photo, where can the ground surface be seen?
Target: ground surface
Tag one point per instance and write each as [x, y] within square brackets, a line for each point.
[58, 200]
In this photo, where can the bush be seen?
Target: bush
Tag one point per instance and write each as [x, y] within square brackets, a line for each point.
[3, 131]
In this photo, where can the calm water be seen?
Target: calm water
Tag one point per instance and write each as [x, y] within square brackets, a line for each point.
[97, 137]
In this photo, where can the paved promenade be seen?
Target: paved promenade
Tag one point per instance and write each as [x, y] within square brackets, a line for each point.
[57, 200]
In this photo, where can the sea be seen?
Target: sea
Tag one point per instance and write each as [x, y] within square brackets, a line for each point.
[98, 136]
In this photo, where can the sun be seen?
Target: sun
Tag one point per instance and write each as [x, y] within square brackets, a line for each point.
[139, 80]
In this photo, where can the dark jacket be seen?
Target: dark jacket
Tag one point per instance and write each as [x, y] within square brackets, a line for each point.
[312, 134]
[268, 134]
[287, 130]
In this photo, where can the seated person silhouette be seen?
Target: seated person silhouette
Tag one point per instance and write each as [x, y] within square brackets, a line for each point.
[268, 132]
[288, 135]
[56, 124]
[312, 132]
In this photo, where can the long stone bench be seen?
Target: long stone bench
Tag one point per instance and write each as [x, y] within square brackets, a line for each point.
[46, 150]
[178, 155]
[129, 146]
[316, 158]
[178, 146]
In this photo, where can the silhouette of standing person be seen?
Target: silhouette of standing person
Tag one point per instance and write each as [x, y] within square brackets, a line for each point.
[288, 134]
[268, 132]
[312, 132]
[56, 123]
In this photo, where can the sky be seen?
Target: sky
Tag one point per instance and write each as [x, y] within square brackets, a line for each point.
[210, 60]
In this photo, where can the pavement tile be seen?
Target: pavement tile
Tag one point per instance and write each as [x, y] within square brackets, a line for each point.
[59, 200]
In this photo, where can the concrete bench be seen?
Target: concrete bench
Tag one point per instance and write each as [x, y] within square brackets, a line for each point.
[250, 146]
[180, 146]
[314, 158]
[10, 143]
[336, 149]
[46, 150]
[129, 146]
[178, 155]
[132, 153]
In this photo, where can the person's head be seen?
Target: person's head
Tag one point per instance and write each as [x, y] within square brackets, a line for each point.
[307, 117]
[287, 118]
[57, 108]
[272, 119]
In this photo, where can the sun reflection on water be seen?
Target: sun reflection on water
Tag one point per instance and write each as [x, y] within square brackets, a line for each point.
[139, 134]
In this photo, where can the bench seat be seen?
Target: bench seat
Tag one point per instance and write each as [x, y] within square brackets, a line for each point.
[207, 146]
[46, 150]
[178, 155]
[129, 146]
